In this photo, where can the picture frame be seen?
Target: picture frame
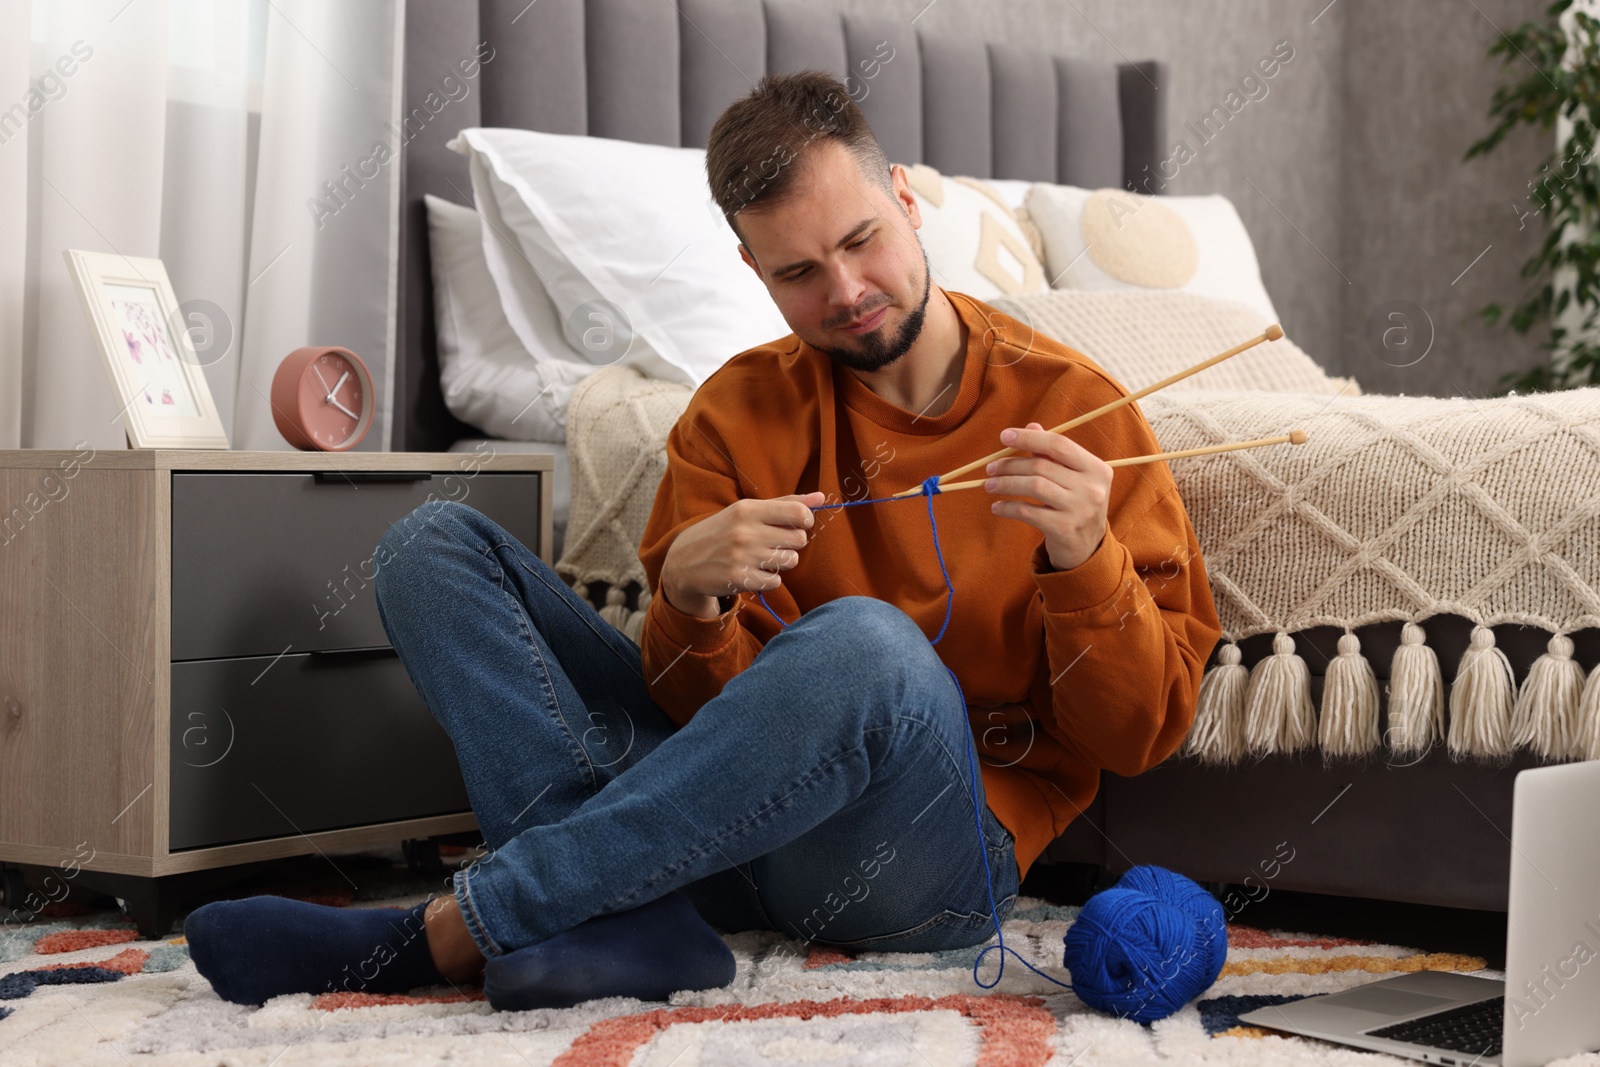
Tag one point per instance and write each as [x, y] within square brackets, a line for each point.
[161, 387]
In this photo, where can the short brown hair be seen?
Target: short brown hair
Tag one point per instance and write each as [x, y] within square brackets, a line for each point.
[756, 146]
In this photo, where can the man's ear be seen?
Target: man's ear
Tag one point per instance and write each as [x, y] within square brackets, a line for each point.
[744, 254]
[903, 193]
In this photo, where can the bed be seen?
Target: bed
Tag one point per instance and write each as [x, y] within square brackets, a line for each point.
[657, 73]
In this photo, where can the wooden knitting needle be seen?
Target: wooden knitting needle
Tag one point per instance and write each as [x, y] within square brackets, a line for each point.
[1271, 333]
[1293, 437]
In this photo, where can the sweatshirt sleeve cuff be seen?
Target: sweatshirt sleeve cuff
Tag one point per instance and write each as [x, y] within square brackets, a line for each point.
[1092, 582]
[691, 632]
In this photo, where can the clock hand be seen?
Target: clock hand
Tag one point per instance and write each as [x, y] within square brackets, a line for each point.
[342, 408]
[321, 379]
[335, 389]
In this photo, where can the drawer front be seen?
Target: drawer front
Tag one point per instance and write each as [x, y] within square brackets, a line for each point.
[266, 562]
[316, 742]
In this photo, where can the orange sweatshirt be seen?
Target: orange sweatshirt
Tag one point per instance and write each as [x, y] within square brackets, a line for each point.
[1064, 672]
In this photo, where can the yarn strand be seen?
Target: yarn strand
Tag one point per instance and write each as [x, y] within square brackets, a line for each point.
[930, 487]
[1152, 920]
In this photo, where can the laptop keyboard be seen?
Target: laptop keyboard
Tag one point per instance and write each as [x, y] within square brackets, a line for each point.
[1474, 1029]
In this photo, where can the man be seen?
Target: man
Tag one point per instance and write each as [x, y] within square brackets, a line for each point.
[787, 748]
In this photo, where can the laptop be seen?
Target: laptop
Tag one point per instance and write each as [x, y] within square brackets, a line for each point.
[1548, 1006]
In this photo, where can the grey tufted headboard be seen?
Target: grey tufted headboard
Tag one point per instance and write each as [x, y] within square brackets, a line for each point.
[661, 71]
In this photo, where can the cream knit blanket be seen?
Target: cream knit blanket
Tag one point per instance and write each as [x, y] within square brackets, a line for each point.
[617, 426]
[1141, 337]
[1395, 508]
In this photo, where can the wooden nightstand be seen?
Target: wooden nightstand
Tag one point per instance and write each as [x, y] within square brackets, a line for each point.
[193, 675]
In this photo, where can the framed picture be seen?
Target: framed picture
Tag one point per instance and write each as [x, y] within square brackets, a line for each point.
[165, 400]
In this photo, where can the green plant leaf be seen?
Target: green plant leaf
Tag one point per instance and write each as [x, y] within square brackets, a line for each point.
[1550, 73]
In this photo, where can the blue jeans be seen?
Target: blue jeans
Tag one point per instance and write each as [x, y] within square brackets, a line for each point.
[823, 794]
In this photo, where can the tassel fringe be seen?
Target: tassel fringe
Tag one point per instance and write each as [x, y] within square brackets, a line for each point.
[1481, 699]
[1587, 741]
[615, 610]
[1268, 708]
[1279, 715]
[1416, 695]
[1218, 733]
[1545, 717]
[1349, 722]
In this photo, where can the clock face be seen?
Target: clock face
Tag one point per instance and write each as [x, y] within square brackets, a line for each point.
[332, 396]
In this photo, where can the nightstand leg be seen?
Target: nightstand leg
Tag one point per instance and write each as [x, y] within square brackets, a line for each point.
[422, 855]
[155, 903]
[151, 909]
[13, 889]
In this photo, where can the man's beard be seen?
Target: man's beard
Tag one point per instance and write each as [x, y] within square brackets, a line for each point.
[876, 351]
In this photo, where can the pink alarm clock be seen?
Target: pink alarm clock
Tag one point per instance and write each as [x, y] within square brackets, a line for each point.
[322, 398]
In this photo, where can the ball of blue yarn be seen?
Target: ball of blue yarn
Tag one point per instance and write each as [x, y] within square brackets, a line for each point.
[1147, 946]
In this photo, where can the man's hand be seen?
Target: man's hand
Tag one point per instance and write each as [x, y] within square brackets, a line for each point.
[744, 546]
[1072, 484]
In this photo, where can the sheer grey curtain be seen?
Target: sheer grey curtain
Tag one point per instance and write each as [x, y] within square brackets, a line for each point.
[236, 140]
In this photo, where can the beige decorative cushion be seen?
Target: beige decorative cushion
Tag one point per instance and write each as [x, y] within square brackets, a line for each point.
[1113, 239]
[1144, 335]
[974, 242]
[1150, 247]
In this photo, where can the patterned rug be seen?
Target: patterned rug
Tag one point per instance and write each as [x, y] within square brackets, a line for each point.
[78, 986]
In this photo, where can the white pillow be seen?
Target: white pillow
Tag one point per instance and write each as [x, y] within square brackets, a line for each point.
[490, 380]
[974, 243]
[1014, 191]
[620, 231]
[1116, 239]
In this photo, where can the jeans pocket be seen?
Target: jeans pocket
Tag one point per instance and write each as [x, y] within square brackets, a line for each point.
[999, 844]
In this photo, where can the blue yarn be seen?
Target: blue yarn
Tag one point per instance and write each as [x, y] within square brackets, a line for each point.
[1147, 946]
[1141, 949]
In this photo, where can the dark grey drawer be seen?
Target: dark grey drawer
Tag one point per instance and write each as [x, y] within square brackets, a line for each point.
[269, 561]
[317, 742]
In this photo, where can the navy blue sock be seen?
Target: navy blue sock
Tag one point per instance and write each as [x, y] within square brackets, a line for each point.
[648, 952]
[261, 947]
